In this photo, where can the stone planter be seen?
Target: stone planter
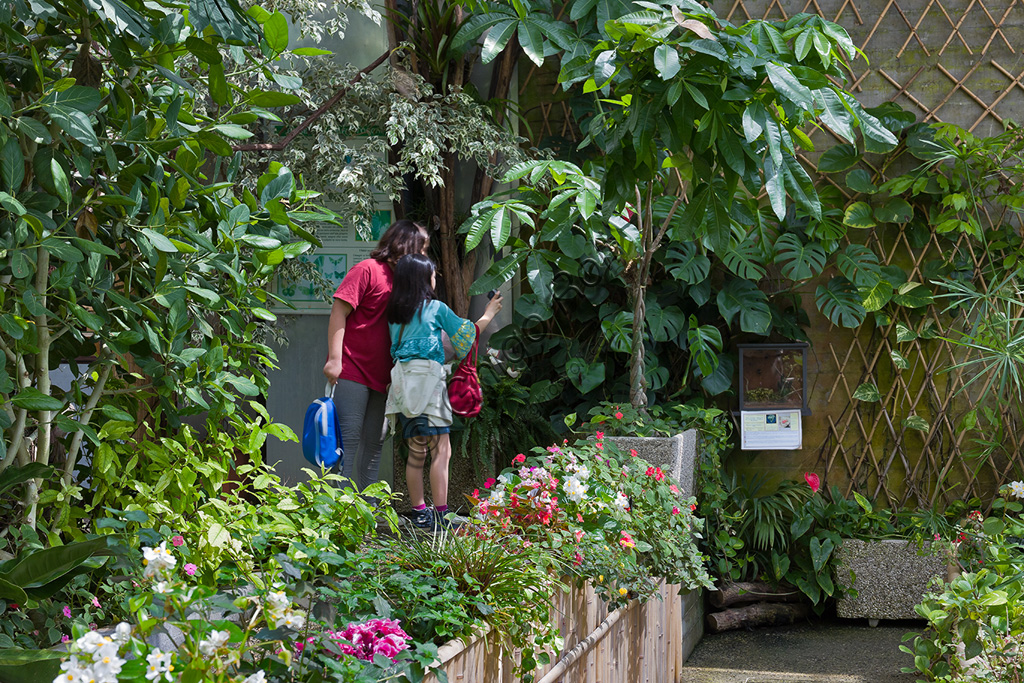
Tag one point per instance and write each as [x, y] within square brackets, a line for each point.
[676, 455]
[890, 576]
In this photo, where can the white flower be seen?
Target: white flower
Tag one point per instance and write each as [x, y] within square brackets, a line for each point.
[512, 373]
[1017, 489]
[621, 500]
[91, 642]
[217, 640]
[122, 633]
[574, 489]
[159, 561]
[73, 670]
[278, 600]
[106, 664]
[159, 665]
[258, 677]
[294, 620]
[583, 473]
[497, 497]
[160, 587]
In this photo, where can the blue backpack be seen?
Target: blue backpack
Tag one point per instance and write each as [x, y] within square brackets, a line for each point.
[321, 433]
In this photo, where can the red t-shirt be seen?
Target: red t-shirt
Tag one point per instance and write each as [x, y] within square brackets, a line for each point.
[366, 354]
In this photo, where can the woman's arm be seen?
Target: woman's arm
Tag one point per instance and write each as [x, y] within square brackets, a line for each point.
[336, 339]
[493, 306]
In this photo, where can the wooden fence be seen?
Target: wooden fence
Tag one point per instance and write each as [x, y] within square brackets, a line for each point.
[638, 643]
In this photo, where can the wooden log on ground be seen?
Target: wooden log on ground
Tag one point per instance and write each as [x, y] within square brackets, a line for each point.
[758, 614]
[753, 591]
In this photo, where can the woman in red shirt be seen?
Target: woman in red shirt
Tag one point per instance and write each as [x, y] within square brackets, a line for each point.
[359, 349]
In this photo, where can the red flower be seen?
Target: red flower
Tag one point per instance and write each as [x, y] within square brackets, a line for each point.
[519, 459]
[632, 452]
[627, 541]
[675, 511]
[489, 483]
[618, 416]
[693, 506]
[476, 493]
[600, 435]
[812, 481]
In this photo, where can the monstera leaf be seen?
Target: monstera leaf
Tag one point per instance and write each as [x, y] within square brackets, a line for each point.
[799, 261]
[742, 297]
[840, 302]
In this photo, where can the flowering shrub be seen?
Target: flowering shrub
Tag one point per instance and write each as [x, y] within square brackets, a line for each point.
[374, 637]
[608, 516]
[976, 621]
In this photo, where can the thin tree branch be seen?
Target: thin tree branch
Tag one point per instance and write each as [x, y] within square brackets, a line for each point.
[90, 406]
[277, 146]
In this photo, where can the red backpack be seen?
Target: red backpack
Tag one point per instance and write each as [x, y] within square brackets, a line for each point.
[464, 387]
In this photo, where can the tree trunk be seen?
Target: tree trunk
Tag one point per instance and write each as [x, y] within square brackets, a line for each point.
[753, 591]
[637, 379]
[760, 614]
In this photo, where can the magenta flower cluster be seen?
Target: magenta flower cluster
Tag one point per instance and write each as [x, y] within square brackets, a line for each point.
[373, 637]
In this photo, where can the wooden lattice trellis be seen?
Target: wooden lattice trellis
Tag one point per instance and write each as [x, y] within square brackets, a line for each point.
[953, 61]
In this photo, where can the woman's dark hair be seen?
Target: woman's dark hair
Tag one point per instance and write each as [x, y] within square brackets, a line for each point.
[411, 288]
[401, 238]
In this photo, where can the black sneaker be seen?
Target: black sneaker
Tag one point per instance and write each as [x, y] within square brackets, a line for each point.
[449, 520]
[422, 519]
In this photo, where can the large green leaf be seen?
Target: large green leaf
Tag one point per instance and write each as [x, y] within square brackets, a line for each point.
[704, 342]
[820, 552]
[31, 398]
[859, 265]
[499, 273]
[840, 302]
[29, 666]
[585, 376]
[666, 61]
[743, 298]
[13, 476]
[38, 571]
[744, 259]
[799, 261]
[12, 165]
[839, 158]
[858, 215]
[225, 17]
[876, 295]
[687, 264]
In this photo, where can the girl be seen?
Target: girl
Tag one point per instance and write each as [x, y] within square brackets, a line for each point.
[357, 343]
[418, 399]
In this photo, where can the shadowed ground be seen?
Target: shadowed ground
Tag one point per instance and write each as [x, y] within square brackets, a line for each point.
[840, 651]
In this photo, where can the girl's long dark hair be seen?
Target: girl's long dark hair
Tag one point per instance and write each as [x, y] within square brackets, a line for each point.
[401, 238]
[411, 288]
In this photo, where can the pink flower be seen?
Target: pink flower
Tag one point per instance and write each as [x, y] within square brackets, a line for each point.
[190, 569]
[600, 446]
[579, 535]
[578, 559]
[627, 541]
[632, 452]
[489, 483]
[95, 602]
[618, 416]
[673, 488]
[178, 541]
[67, 611]
[519, 459]
[936, 537]
[65, 638]
[675, 511]
[812, 481]
[599, 435]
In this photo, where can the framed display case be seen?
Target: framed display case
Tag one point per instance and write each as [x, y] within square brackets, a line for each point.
[773, 396]
[773, 377]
